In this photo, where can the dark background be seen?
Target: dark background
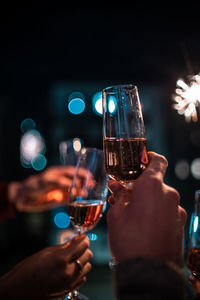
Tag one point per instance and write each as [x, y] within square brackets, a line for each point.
[53, 50]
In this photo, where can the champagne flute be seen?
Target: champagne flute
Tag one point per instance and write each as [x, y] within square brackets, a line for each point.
[88, 194]
[193, 258]
[124, 138]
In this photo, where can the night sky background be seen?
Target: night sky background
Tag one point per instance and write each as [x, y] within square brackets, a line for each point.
[48, 52]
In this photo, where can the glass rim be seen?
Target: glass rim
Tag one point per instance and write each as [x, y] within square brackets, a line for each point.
[128, 86]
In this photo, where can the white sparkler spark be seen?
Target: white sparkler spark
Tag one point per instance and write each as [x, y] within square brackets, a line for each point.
[187, 98]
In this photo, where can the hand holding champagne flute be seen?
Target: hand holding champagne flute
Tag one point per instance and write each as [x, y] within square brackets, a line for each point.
[124, 138]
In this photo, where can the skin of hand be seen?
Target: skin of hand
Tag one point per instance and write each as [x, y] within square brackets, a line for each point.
[46, 190]
[146, 220]
[196, 285]
[49, 271]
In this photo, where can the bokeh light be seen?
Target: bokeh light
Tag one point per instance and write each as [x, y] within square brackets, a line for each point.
[97, 103]
[62, 220]
[77, 144]
[76, 103]
[31, 144]
[25, 163]
[38, 162]
[92, 236]
[27, 124]
[182, 169]
[195, 168]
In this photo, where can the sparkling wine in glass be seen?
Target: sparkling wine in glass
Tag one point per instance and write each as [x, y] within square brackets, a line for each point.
[193, 259]
[124, 140]
[88, 193]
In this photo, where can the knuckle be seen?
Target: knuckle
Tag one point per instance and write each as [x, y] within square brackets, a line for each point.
[155, 180]
[175, 195]
[164, 160]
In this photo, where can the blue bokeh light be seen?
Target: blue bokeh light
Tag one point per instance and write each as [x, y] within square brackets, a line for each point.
[76, 106]
[39, 162]
[27, 124]
[92, 236]
[62, 220]
[25, 164]
[97, 103]
[76, 103]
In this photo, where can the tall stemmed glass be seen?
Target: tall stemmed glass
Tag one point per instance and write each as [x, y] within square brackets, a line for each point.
[124, 138]
[88, 194]
[193, 258]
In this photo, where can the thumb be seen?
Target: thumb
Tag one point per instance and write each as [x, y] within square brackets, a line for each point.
[76, 247]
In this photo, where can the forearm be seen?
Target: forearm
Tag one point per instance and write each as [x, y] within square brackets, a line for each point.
[6, 206]
[146, 279]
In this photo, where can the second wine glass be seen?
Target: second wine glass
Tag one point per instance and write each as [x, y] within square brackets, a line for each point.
[124, 138]
[88, 195]
[89, 191]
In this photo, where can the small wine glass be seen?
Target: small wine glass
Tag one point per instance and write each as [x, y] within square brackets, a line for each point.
[193, 257]
[88, 194]
[124, 138]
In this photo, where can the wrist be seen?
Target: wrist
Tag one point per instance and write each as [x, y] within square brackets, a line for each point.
[153, 274]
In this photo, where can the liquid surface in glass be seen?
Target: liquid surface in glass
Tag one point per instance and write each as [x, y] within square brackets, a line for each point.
[85, 214]
[125, 159]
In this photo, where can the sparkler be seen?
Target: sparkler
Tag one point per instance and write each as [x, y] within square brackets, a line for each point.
[187, 98]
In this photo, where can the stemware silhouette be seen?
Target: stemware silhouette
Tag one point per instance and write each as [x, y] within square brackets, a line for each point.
[124, 138]
[88, 195]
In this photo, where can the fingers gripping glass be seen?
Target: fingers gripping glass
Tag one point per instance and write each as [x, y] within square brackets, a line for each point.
[124, 138]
